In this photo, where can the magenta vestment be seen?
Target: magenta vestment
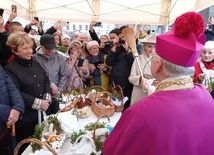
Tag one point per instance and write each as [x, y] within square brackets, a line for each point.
[175, 122]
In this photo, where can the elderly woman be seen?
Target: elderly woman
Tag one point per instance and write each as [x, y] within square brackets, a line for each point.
[204, 68]
[145, 64]
[32, 82]
[99, 71]
[77, 65]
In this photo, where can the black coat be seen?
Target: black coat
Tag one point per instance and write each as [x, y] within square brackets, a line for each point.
[121, 62]
[5, 51]
[32, 82]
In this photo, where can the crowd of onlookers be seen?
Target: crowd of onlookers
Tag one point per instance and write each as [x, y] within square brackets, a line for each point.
[43, 65]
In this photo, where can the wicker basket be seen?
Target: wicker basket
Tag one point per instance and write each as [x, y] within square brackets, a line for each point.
[120, 107]
[33, 140]
[92, 96]
[103, 111]
[95, 126]
[82, 101]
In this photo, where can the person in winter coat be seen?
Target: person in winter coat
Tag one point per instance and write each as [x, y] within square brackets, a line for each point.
[77, 66]
[145, 64]
[11, 109]
[204, 67]
[32, 82]
[54, 65]
[120, 58]
[99, 71]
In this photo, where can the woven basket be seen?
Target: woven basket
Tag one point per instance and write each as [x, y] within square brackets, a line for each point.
[66, 109]
[120, 107]
[95, 126]
[93, 96]
[103, 111]
[81, 102]
[33, 140]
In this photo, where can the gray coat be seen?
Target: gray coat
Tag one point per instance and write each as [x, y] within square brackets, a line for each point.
[55, 67]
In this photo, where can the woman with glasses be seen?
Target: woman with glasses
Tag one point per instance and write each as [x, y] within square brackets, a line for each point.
[99, 71]
[140, 83]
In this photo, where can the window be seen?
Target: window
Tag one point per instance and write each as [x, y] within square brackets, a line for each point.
[80, 27]
[74, 27]
[86, 27]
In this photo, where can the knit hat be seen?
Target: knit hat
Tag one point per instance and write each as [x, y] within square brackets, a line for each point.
[48, 41]
[183, 45]
[65, 36]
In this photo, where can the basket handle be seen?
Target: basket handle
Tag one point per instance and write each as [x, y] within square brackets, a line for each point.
[90, 139]
[81, 90]
[98, 95]
[66, 110]
[33, 140]
[94, 87]
[69, 107]
[96, 123]
[67, 99]
[121, 90]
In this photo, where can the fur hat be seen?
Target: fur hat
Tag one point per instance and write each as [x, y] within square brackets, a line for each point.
[183, 45]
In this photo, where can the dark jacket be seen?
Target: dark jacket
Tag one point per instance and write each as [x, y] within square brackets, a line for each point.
[94, 36]
[32, 82]
[5, 51]
[10, 98]
[27, 30]
[121, 62]
[210, 33]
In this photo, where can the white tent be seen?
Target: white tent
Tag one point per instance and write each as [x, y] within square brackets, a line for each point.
[156, 12]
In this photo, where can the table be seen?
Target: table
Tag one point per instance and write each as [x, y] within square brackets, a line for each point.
[82, 122]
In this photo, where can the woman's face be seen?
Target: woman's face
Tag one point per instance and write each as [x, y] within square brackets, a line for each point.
[149, 48]
[75, 52]
[65, 41]
[25, 51]
[103, 38]
[207, 55]
[94, 51]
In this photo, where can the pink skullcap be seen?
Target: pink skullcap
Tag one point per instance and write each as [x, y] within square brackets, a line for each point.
[183, 45]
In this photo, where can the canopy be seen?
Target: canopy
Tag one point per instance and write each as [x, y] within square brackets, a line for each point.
[154, 12]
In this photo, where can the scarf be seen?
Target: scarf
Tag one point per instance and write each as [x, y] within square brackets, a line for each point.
[96, 74]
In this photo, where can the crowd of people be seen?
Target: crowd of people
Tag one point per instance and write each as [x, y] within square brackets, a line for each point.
[166, 111]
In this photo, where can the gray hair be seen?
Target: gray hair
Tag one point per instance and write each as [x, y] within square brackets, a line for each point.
[171, 69]
[92, 43]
